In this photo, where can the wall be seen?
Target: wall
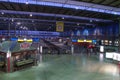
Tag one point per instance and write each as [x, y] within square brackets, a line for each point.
[107, 30]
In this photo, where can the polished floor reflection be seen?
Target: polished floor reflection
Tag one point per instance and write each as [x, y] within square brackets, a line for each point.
[67, 67]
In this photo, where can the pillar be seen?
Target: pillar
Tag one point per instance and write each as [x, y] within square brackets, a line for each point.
[41, 49]
[101, 54]
[8, 62]
[72, 49]
[39, 54]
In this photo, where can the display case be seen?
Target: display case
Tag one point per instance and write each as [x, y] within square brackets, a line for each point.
[15, 56]
[24, 59]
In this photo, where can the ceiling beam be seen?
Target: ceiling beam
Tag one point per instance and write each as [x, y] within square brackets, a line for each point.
[94, 15]
[90, 1]
[118, 5]
[21, 7]
[89, 15]
[73, 5]
[13, 9]
[4, 6]
[111, 2]
[52, 15]
[100, 2]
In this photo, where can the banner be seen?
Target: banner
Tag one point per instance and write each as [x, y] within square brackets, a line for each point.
[59, 26]
[25, 45]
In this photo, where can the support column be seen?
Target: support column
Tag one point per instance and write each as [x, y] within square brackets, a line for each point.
[101, 54]
[41, 49]
[39, 54]
[72, 49]
[9, 62]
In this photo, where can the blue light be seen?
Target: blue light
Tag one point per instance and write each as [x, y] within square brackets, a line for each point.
[35, 39]
[85, 32]
[14, 39]
[74, 40]
[58, 4]
[94, 41]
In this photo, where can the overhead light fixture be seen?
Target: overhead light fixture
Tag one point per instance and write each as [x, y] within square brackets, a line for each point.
[31, 15]
[32, 20]
[91, 20]
[26, 2]
[24, 27]
[85, 40]
[25, 39]
[21, 27]
[114, 13]
[77, 8]
[63, 18]
[2, 13]
[18, 23]
[12, 20]
[3, 39]
[78, 24]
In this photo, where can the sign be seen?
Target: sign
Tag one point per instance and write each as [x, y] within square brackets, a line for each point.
[109, 55]
[113, 55]
[74, 40]
[80, 40]
[90, 41]
[29, 40]
[59, 26]
[35, 39]
[101, 48]
[20, 40]
[14, 39]
[25, 45]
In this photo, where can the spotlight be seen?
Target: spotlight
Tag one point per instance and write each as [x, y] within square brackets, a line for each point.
[25, 39]
[84, 40]
[26, 3]
[2, 13]
[115, 13]
[91, 20]
[3, 39]
[18, 23]
[31, 15]
[32, 20]
[78, 24]
[21, 27]
[12, 20]
[63, 18]
[76, 7]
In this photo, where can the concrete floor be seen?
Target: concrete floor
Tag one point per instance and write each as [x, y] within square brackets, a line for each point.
[66, 67]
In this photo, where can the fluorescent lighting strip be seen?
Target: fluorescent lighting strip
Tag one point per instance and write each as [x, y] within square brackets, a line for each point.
[56, 3]
[53, 15]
